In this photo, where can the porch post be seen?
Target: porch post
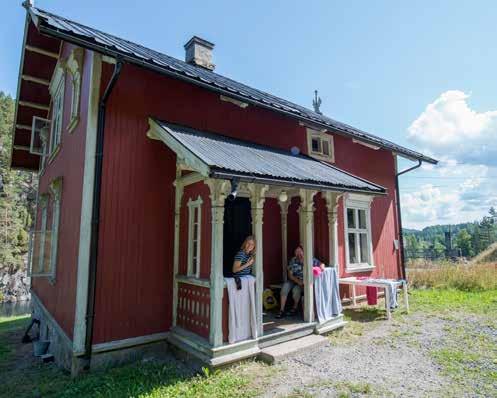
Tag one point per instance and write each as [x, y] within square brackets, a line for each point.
[257, 199]
[219, 191]
[177, 208]
[332, 206]
[284, 236]
[307, 225]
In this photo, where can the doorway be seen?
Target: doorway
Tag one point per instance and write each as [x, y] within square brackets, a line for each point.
[237, 226]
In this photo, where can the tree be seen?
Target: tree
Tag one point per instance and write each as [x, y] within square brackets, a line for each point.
[463, 242]
[17, 196]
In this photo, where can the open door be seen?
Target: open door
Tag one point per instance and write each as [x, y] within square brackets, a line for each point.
[237, 226]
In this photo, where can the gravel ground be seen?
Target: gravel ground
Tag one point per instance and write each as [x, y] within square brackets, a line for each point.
[381, 359]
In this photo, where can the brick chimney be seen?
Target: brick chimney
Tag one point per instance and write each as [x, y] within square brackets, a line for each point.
[198, 52]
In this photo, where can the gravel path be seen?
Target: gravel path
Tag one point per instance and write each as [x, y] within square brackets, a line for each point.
[387, 359]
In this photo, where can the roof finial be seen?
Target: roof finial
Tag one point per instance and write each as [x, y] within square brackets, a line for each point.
[316, 102]
[27, 4]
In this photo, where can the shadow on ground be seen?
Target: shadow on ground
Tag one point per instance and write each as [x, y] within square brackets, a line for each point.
[22, 375]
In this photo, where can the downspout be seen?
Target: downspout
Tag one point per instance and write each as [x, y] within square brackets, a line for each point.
[95, 220]
[401, 235]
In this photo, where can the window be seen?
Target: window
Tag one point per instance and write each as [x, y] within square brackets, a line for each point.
[56, 191]
[39, 251]
[359, 248]
[194, 235]
[44, 241]
[320, 145]
[57, 92]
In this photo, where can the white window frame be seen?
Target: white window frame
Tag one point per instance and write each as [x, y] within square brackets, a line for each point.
[56, 191]
[322, 136]
[57, 90]
[74, 66]
[39, 269]
[358, 202]
[193, 270]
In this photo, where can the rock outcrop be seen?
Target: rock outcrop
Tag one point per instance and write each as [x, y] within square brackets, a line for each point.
[14, 286]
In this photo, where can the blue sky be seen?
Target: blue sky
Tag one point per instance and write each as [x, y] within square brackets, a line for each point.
[422, 74]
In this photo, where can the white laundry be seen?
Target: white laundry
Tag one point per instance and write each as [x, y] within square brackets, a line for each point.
[242, 319]
[326, 295]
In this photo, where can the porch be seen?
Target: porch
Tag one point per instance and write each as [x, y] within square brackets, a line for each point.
[289, 197]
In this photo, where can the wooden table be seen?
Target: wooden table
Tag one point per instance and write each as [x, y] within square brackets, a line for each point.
[353, 281]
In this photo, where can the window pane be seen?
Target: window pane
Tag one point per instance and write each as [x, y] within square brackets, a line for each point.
[316, 145]
[326, 148]
[363, 243]
[362, 219]
[352, 249]
[351, 218]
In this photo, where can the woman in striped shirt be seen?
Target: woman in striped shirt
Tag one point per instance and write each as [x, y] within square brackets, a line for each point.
[245, 258]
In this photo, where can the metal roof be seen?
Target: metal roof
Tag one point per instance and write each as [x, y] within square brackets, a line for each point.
[227, 158]
[65, 29]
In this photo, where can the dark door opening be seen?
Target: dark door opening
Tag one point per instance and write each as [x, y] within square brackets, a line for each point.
[237, 226]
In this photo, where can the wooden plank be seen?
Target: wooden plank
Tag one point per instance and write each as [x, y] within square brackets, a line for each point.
[41, 51]
[35, 79]
[34, 105]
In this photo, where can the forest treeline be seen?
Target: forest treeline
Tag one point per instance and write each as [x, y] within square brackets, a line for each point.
[466, 239]
[17, 197]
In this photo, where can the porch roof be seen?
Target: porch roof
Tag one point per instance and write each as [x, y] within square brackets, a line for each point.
[224, 157]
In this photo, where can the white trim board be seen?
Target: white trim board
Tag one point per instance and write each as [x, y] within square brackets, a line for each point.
[127, 343]
[87, 206]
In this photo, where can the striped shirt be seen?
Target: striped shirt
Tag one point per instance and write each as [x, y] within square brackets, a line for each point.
[243, 258]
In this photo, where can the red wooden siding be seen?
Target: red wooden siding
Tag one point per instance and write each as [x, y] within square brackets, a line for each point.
[226, 309]
[321, 235]
[194, 309]
[134, 289]
[293, 239]
[272, 242]
[60, 298]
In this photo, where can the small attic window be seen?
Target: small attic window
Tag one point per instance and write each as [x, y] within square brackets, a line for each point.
[320, 145]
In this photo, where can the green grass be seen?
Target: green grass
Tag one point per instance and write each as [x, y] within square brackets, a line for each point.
[449, 300]
[6, 325]
[139, 380]
[151, 380]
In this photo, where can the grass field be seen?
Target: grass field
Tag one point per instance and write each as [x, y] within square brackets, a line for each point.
[466, 354]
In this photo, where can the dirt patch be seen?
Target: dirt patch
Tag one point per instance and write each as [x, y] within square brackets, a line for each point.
[381, 358]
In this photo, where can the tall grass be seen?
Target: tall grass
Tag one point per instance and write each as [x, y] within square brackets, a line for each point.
[477, 277]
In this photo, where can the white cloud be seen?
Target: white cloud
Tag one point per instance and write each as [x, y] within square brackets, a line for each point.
[449, 127]
[465, 142]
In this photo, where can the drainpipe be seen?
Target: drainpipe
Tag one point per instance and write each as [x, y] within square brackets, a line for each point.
[95, 221]
[401, 235]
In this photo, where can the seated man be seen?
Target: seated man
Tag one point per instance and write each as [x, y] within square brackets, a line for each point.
[295, 281]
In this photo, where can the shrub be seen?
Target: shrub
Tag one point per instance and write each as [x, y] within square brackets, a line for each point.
[476, 277]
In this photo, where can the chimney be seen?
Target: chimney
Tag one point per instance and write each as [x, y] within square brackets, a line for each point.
[198, 52]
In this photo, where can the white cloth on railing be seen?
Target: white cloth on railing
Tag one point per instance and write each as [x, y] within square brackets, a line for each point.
[392, 289]
[327, 295]
[242, 319]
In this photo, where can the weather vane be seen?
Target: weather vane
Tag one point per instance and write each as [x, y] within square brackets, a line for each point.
[316, 102]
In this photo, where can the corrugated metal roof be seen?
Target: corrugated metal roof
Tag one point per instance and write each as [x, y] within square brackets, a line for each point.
[85, 36]
[230, 157]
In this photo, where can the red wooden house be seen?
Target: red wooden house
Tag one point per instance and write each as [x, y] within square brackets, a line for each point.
[136, 154]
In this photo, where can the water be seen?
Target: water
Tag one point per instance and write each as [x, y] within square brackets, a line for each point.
[14, 309]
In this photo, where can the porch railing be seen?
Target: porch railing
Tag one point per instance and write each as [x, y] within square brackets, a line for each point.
[193, 311]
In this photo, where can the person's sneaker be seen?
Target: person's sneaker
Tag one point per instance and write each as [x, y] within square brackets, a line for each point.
[280, 315]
